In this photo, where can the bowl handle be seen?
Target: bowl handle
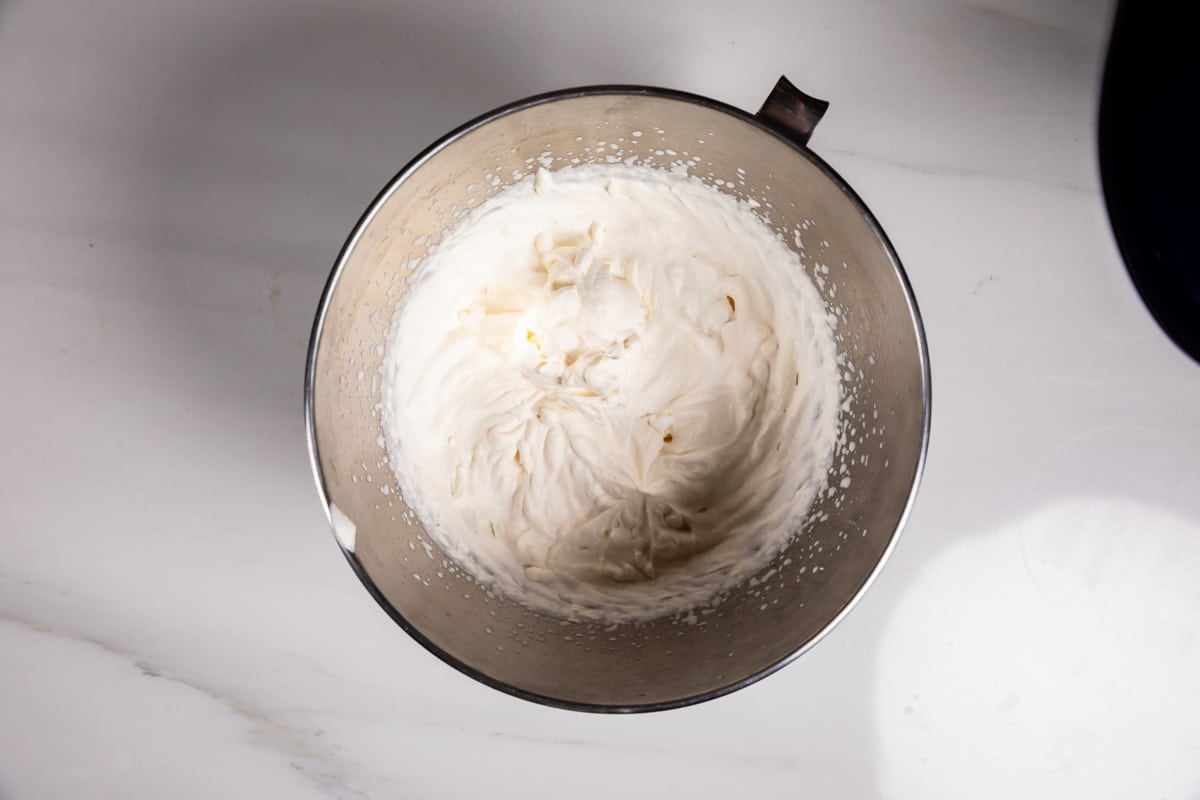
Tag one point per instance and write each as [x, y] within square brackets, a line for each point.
[791, 112]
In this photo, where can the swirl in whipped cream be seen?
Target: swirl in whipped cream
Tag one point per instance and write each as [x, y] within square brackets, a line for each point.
[611, 393]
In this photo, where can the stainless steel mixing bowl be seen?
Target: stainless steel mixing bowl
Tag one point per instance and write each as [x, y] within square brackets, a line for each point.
[793, 601]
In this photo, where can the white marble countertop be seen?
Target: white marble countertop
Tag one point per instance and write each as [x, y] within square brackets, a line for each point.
[175, 618]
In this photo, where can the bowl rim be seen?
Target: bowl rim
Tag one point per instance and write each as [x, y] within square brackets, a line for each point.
[364, 221]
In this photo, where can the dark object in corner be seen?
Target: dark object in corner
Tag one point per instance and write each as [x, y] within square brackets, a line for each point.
[1150, 159]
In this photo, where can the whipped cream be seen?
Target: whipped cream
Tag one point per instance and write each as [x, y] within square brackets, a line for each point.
[611, 394]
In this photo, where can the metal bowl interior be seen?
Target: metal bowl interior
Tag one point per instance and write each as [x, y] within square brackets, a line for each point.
[829, 563]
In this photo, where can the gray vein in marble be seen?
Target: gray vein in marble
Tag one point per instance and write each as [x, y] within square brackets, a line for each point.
[324, 770]
[937, 171]
[1015, 16]
[328, 773]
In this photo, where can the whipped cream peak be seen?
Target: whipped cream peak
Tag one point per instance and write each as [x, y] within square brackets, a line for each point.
[574, 335]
